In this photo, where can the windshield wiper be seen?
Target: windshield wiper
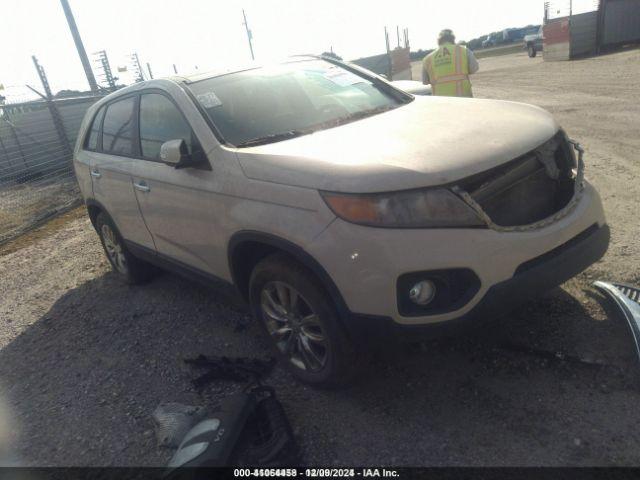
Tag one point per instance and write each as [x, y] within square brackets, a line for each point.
[367, 113]
[274, 137]
[352, 117]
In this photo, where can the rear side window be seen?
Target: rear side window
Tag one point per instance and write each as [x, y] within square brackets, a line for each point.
[117, 131]
[92, 139]
[161, 121]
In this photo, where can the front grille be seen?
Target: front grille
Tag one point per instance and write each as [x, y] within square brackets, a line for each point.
[528, 189]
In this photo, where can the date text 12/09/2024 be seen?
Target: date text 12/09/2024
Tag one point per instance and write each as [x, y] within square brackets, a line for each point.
[316, 472]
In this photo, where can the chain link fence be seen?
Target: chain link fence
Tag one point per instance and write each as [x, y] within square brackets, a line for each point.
[36, 171]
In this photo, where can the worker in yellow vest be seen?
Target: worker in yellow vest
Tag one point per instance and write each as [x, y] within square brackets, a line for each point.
[448, 67]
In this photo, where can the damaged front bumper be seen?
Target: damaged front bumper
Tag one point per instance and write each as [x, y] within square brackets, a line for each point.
[529, 281]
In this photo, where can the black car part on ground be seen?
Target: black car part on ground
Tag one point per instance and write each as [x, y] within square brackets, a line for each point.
[173, 420]
[234, 369]
[267, 439]
[251, 429]
[627, 298]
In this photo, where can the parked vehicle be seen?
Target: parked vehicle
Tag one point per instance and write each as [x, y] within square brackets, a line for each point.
[346, 211]
[518, 34]
[493, 40]
[533, 43]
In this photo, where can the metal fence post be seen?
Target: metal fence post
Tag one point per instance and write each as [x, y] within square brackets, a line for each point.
[53, 108]
[18, 144]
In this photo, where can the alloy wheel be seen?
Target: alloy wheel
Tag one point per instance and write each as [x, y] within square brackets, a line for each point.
[114, 249]
[294, 326]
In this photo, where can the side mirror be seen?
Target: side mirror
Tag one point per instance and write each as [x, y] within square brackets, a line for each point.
[175, 153]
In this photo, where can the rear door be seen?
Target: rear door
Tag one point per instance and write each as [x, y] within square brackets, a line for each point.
[178, 205]
[86, 156]
[111, 170]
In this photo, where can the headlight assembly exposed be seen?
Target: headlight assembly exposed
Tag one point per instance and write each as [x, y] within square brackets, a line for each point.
[427, 208]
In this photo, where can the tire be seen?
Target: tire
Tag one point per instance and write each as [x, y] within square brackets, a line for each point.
[307, 336]
[130, 269]
[532, 51]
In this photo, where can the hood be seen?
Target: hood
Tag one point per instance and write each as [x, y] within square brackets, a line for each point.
[430, 141]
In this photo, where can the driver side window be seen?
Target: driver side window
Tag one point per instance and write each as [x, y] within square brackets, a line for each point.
[161, 121]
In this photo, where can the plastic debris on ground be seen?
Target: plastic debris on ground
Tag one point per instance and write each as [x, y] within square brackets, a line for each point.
[173, 421]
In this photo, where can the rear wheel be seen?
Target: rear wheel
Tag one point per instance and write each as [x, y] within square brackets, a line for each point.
[131, 269]
[532, 51]
[301, 322]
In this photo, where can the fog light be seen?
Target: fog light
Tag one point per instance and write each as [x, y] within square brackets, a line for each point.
[422, 292]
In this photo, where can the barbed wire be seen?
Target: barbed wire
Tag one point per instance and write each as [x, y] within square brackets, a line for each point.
[37, 178]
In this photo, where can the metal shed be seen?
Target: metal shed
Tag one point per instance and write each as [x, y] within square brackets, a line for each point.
[620, 22]
[570, 33]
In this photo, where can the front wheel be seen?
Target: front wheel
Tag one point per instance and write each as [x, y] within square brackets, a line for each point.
[532, 51]
[301, 322]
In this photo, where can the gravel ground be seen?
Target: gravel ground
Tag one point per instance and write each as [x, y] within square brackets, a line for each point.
[23, 206]
[84, 360]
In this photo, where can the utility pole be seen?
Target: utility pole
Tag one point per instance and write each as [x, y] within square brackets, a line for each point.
[389, 74]
[79, 46]
[249, 35]
[175, 70]
[386, 39]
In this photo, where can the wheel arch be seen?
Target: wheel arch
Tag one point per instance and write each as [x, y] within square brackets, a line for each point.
[247, 248]
[93, 209]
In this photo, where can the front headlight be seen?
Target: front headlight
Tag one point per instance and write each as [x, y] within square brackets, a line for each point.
[428, 208]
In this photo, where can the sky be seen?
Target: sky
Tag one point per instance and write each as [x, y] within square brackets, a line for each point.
[210, 33]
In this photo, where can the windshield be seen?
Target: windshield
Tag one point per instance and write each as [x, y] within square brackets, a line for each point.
[270, 104]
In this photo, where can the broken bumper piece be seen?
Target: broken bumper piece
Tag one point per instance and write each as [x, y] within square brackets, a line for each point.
[627, 298]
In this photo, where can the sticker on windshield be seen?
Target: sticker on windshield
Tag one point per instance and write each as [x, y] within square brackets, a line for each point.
[342, 78]
[209, 100]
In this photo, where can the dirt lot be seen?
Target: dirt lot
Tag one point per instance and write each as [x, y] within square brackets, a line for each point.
[84, 360]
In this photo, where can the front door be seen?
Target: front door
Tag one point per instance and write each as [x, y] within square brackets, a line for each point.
[178, 205]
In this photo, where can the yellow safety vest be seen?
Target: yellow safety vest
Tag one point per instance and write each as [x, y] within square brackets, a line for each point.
[448, 69]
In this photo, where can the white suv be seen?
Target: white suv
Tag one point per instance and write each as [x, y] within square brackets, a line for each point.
[344, 210]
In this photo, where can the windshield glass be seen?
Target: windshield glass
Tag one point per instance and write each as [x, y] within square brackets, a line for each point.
[270, 104]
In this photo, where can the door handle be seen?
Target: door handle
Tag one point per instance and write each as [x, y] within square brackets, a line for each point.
[95, 174]
[142, 186]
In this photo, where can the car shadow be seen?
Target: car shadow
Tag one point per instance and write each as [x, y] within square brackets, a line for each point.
[83, 381]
